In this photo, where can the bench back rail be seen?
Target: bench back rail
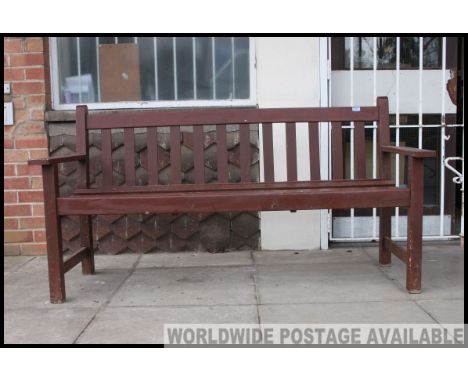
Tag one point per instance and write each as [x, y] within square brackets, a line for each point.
[152, 120]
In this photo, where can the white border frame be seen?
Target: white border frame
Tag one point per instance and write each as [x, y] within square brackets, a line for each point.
[55, 90]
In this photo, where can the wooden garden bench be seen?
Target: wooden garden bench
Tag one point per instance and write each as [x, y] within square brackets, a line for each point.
[289, 195]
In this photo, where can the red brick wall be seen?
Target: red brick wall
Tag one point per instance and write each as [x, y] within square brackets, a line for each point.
[25, 67]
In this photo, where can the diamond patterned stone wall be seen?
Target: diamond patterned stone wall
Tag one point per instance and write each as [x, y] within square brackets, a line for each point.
[141, 233]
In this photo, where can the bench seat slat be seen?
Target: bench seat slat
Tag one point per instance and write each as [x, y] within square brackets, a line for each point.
[235, 200]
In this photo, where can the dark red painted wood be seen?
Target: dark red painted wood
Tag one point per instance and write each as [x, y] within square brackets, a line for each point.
[359, 151]
[337, 151]
[314, 151]
[291, 151]
[75, 259]
[129, 157]
[383, 138]
[244, 137]
[119, 119]
[152, 155]
[198, 154]
[56, 160]
[106, 144]
[268, 160]
[175, 155]
[409, 151]
[222, 154]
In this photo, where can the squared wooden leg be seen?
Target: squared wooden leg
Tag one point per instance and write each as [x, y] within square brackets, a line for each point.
[385, 230]
[415, 222]
[53, 235]
[86, 232]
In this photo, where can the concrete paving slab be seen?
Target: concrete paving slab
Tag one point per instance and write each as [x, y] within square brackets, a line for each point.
[307, 283]
[445, 311]
[145, 325]
[45, 326]
[382, 312]
[195, 259]
[121, 261]
[13, 263]
[30, 287]
[338, 255]
[188, 286]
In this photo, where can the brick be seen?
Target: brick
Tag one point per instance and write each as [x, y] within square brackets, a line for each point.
[19, 103]
[13, 74]
[11, 249]
[23, 142]
[10, 223]
[31, 128]
[39, 236]
[28, 87]
[16, 183]
[30, 196]
[35, 45]
[36, 183]
[34, 73]
[10, 197]
[7, 143]
[37, 114]
[6, 60]
[33, 249]
[15, 155]
[27, 59]
[9, 170]
[38, 210]
[17, 210]
[12, 45]
[37, 154]
[25, 169]
[17, 236]
[34, 222]
[36, 100]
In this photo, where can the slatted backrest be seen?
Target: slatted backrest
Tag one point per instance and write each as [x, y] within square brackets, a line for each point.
[242, 117]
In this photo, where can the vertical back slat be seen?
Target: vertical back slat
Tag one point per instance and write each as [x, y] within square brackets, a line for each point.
[359, 150]
[245, 152]
[106, 143]
[152, 151]
[291, 151]
[175, 155]
[314, 151]
[337, 150]
[222, 154]
[198, 154]
[268, 161]
[129, 155]
[383, 137]
[82, 145]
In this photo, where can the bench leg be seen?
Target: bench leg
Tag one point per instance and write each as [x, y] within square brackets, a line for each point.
[415, 222]
[385, 230]
[53, 236]
[86, 231]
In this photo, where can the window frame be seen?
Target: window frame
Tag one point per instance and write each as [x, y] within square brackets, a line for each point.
[57, 105]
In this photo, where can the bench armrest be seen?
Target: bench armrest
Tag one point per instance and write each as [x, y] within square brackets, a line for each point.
[409, 151]
[55, 160]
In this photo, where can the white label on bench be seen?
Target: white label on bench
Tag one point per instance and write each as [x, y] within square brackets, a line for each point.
[356, 108]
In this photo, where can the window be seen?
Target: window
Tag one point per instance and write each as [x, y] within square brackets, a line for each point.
[113, 72]
[386, 52]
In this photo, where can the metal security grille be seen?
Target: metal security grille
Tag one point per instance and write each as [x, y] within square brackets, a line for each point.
[431, 126]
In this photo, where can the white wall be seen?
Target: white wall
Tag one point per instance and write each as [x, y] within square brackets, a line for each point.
[288, 76]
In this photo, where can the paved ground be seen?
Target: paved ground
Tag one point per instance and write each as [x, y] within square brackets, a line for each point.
[131, 296]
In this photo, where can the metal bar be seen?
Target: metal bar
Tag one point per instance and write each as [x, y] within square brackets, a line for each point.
[442, 137]
[397, 136]
[213, 66]
[194, 66]
[233, 71]
[174, 58]
[399, 238]
[420, 100]
[374, 133]
[351, 135]
[97, 71]
[78, 54]
[155, 48]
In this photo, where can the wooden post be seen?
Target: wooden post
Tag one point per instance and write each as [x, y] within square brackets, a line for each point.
[53, 235]
[86, 231]
[415, 221]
